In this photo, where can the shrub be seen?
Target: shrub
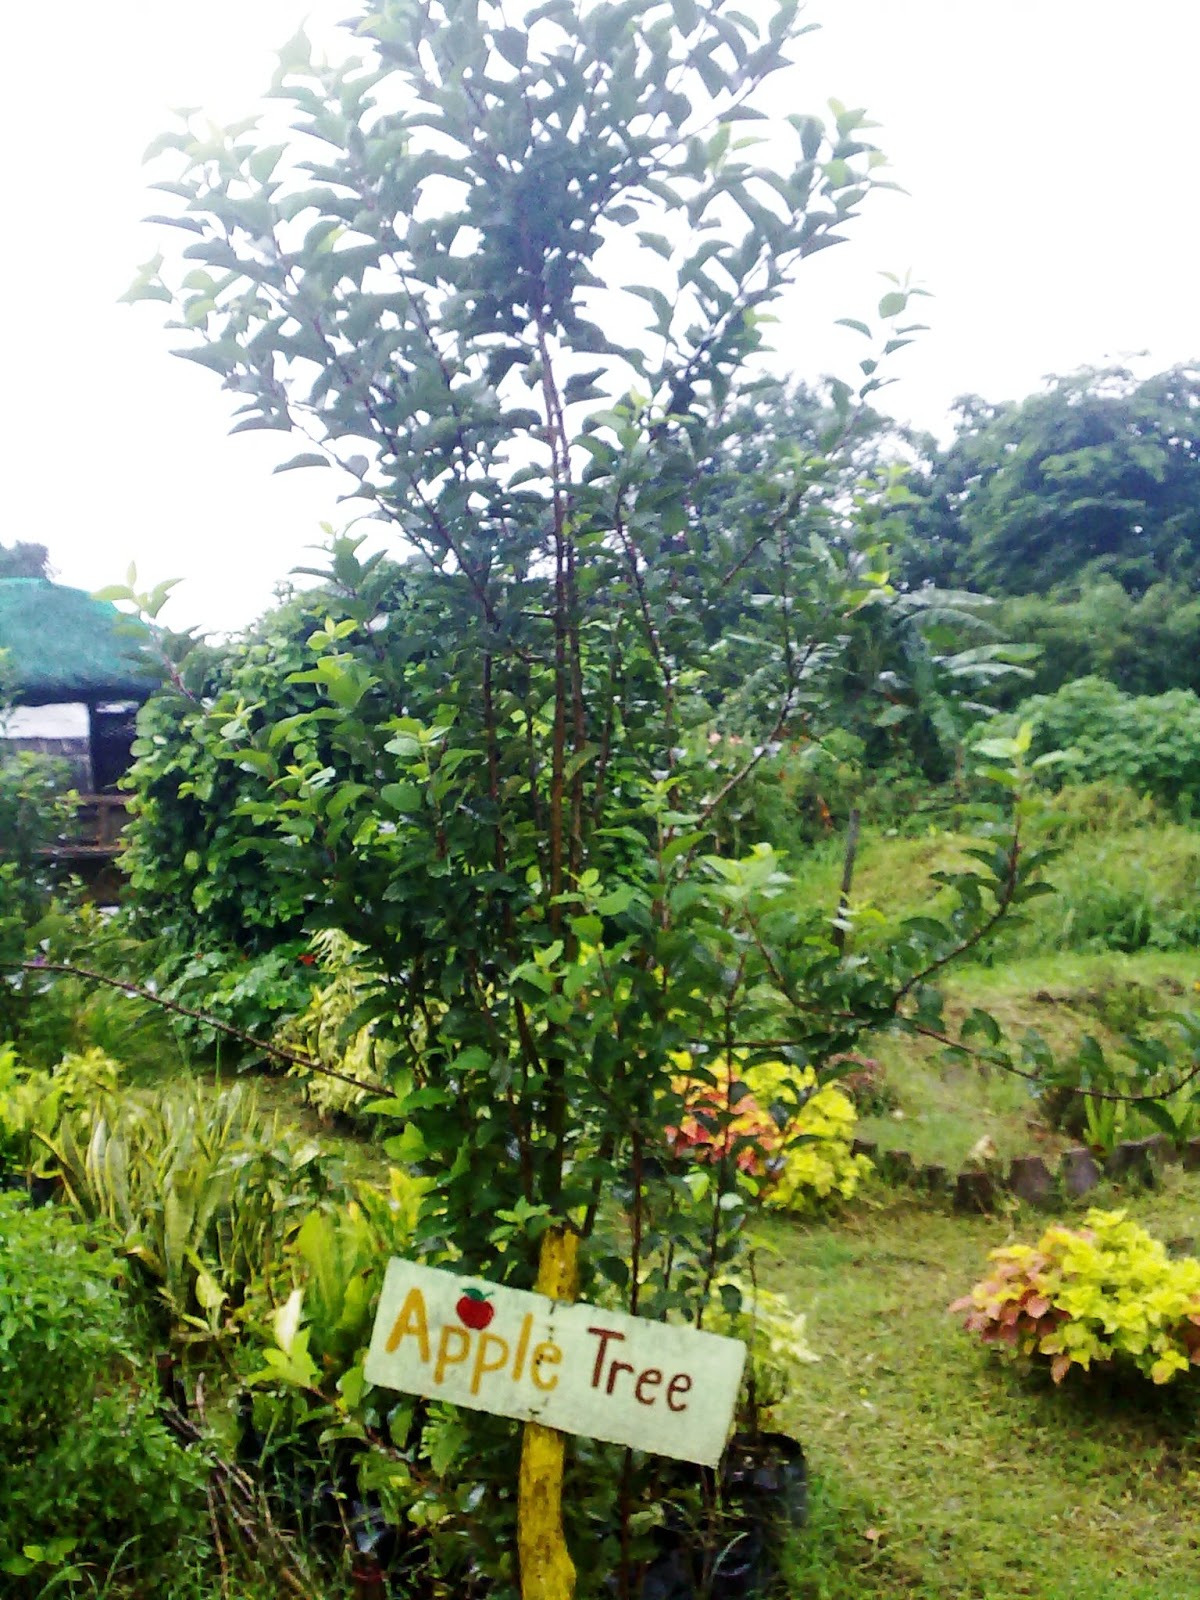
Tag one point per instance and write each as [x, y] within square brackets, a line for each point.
[87, 1471]
[35, 808]
[34, 811]
[327, 1032]
[817, 1162]
[254, 993]
[1102, 1295]
[1149, 742]
[33, 1103]
[775, 1123]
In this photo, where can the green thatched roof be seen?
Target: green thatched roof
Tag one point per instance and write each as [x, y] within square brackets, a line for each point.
[60, 644]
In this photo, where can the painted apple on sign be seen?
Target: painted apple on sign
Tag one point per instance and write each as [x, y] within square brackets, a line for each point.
[475, 1310]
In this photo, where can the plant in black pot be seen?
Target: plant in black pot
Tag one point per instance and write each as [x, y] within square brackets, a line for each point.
[723, 1532]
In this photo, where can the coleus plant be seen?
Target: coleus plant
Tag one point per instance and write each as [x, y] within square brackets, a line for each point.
[1105, 1295]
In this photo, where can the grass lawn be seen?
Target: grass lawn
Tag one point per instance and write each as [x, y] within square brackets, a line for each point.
[945, 1109]
[937, 1471]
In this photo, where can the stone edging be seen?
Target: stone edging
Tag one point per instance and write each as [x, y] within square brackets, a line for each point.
[1028, 1177]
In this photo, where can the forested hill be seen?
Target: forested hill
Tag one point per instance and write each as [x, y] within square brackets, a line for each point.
[1079, 508]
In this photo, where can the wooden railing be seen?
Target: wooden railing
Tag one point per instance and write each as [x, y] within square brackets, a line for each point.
[96, 834]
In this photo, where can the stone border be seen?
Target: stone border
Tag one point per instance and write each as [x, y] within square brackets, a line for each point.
[1028, 1177]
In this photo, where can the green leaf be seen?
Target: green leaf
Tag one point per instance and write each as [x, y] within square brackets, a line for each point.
[512, 44]
[402, 796]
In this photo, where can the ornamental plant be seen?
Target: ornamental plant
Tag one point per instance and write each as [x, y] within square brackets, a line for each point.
[776, 1124]
[196, 1188]
[1104, 1295]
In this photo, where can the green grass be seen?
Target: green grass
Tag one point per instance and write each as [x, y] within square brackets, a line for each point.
[946, 1108]
[938, 1473]
[1126, 888]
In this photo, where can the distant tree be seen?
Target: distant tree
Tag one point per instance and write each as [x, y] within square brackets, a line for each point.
[22, 560]
[1144, 644]
[1098, 475]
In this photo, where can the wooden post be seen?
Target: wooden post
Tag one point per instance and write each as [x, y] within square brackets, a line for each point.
[547, 1571]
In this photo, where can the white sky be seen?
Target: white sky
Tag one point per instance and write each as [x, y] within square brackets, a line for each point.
[1049, 148]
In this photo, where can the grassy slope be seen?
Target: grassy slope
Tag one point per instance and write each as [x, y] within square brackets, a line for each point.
[946, 1108]
[1119, 938]
[940, 1473]
[1127, 886]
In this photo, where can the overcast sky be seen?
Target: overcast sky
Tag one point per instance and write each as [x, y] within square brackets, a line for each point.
[1049, 150]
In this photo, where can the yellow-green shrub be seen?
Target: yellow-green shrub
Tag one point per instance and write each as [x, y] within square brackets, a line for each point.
[815, 1161]
[1104, 1294]
[322, 1031]
[779, 1126]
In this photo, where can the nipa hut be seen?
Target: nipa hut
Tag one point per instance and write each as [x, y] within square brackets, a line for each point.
[75, 671]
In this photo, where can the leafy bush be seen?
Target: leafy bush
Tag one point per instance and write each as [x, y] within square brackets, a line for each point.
[254, 993]
[329, 1031]
[34, 809]
[196, 1187]
[795, 795]
[774, 1122]
[33, 1103]
[1102, 1295]
[90, 1480]
[1149, 742]
[816, 1162]
[1124, 875]
[199, 862]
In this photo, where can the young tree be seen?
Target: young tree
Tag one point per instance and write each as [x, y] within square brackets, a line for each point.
[514, 281]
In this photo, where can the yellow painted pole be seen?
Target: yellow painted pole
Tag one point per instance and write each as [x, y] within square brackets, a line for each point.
[547, 1571]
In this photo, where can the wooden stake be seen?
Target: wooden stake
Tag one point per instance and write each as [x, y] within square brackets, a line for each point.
[547, 1571]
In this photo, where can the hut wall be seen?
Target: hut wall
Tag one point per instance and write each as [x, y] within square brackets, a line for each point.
[62, 731]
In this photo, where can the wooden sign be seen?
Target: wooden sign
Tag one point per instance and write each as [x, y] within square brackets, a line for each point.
[576, 1368]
